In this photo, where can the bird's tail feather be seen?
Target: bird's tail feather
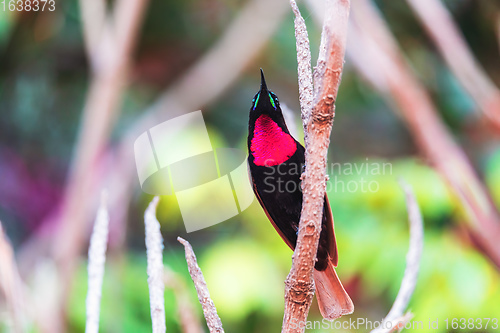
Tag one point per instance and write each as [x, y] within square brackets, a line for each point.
[333, 300]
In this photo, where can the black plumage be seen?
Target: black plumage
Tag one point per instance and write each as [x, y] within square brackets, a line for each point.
[278, 187]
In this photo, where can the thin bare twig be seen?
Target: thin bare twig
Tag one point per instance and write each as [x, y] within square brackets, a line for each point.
[446, 35]
[154, 246]
[185, 308]
[431, 135]
[299, 288]
[11, 284]
[213, 321]
[396, 318]
[303, 66]
[97, 259]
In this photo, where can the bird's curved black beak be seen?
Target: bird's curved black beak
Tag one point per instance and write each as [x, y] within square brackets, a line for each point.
[263, 85]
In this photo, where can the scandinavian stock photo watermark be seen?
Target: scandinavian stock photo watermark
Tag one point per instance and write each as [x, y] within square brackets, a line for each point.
[424, 325]
[210, 184]
[345, 177]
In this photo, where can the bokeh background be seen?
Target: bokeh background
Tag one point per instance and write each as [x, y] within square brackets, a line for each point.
[45, 76]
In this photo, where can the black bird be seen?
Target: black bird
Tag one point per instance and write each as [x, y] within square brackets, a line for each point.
[275, 162]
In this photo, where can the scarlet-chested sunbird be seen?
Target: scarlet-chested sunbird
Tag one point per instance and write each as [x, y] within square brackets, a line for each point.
[275, 162]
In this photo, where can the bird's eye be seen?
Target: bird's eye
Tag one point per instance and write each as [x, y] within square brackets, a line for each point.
[255, 101]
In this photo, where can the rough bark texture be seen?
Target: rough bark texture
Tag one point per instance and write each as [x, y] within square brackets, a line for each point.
[300, 288]
[95, 268]
[303, 66]
[209, 311]
[154, 246]
[188, 316]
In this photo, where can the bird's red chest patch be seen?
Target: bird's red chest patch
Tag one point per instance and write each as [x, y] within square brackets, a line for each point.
[270, 145]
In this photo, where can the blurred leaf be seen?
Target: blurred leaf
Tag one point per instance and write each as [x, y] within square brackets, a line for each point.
[241, 279]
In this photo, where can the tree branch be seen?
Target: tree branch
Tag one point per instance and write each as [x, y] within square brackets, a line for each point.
[154, 246]
[421, 116]
[304, 70]
[210, 312]
[185, 310]
[97, 259]
[452, 46]
[299, 288]
[396, 319]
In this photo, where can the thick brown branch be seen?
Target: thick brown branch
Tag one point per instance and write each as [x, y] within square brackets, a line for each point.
[299, 288]
[213, 321]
